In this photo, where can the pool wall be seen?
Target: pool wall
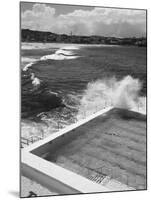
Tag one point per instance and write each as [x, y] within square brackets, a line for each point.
[52, 176]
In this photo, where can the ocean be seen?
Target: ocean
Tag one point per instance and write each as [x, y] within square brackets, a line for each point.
[64, 83]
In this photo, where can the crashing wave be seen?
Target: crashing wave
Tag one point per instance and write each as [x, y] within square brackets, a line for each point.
[122, 93]
[111, 92]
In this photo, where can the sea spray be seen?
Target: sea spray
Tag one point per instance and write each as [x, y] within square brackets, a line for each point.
[112, 92]
[126, 92]
[29, 129]
[122, 93]
[79, 104]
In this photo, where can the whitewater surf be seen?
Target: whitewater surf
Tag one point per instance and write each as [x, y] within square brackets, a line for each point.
[62, 84]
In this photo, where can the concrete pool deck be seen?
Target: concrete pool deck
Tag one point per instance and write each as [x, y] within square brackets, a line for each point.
[105, 152]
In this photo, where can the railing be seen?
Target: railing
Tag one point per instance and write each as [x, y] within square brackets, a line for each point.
[30, 140]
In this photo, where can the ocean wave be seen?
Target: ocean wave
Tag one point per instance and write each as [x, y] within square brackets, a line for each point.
[35, 80]
[98, 95]
[27, 59]
[71, 47]
[61, 54]
[111, 92]
[27, 66]
[30, 46]
[58, 57]
[64, 53]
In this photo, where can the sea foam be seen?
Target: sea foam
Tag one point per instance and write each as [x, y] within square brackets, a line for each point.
[27, 66]
[98, 95]
[35, 80]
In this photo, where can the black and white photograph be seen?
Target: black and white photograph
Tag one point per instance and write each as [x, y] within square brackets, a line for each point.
[83, 94]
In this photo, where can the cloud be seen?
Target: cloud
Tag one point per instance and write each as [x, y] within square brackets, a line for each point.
[41, 17]
[98, 21]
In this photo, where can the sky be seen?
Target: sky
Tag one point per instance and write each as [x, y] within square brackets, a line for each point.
[83, 20]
